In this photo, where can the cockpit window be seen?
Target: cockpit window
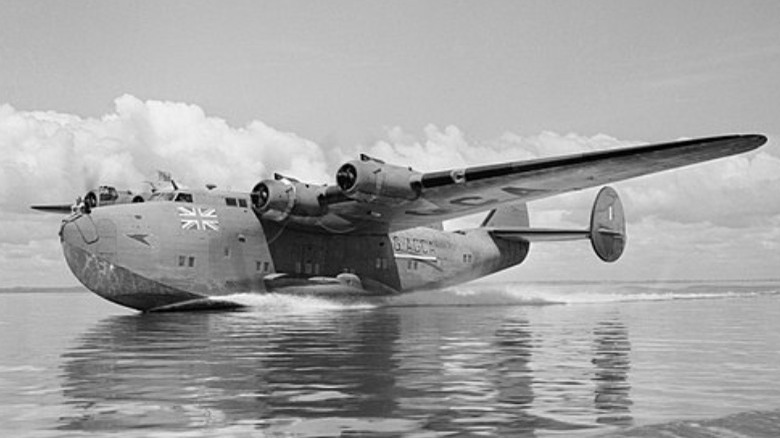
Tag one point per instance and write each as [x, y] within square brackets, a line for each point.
[242, 202]
[162, 196]
[171, 196]
[108, 194]
[184, 197]
[230, 202]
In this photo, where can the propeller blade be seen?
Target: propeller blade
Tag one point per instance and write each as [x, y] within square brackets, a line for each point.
[52, 208]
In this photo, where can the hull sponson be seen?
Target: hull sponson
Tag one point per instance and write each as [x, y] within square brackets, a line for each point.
[120, 285]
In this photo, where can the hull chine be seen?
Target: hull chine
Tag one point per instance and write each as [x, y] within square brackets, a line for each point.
[121, 285]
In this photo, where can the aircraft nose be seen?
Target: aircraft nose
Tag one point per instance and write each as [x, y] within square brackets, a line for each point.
[69, 234]
[89, 242]
[77, 234]
[78, 231]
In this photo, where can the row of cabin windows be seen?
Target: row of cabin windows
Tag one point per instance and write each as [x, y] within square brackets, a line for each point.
[307, 268]
[382, 263]
[236, 202]
[468, 258]
[186, 261]
[187, 197]
[189, 262]
[171, 196]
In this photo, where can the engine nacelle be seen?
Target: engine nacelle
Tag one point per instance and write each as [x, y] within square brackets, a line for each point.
[280, 198]
[109, 195]
[369, 179]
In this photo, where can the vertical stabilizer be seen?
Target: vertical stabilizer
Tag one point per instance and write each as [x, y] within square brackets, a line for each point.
[508, 216]
[608, 225]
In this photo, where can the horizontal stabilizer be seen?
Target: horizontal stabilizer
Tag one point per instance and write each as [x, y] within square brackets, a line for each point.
[539, 234]
[607, 232]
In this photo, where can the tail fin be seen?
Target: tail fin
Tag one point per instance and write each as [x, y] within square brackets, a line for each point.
[507, 216]
[607, 231]
[608, 225]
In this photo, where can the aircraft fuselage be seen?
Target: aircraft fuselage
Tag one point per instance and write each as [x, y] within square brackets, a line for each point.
[210, 244]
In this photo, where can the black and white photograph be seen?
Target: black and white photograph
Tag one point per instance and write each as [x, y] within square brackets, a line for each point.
[363, 218]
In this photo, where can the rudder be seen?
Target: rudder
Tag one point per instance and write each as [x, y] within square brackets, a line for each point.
[608, 225]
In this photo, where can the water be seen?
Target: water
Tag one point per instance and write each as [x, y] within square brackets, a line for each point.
[571, 359]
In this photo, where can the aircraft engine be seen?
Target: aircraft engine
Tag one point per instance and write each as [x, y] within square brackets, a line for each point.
[369, 179]
[277, 199]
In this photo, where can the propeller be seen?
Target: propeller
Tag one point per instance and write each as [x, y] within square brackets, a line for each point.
[260, 196]
[346, 176]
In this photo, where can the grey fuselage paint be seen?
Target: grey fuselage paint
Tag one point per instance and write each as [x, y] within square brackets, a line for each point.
[159, 253]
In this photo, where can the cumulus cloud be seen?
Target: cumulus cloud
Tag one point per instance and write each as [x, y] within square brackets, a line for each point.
[738, 191]
[449, 147]
[51, 157]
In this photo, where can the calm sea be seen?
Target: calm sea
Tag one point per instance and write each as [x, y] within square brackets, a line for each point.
[633, 359]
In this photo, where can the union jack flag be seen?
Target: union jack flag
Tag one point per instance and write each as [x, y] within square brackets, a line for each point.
[196, 218]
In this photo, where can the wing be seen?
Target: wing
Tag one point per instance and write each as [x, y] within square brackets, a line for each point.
[437, 196]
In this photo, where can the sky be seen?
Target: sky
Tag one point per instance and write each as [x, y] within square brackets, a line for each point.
[95, 92]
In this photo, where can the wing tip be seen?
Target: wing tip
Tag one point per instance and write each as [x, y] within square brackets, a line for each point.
[755, 140]
[737, 143]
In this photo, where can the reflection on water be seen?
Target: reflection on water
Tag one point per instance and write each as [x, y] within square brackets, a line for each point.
[612, 366]
[203, 369]
[364, 371]
[312, 368]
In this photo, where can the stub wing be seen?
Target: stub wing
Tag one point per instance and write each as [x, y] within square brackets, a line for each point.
[379, 197]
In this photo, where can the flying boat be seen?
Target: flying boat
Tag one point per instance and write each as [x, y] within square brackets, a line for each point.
[376, 232]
